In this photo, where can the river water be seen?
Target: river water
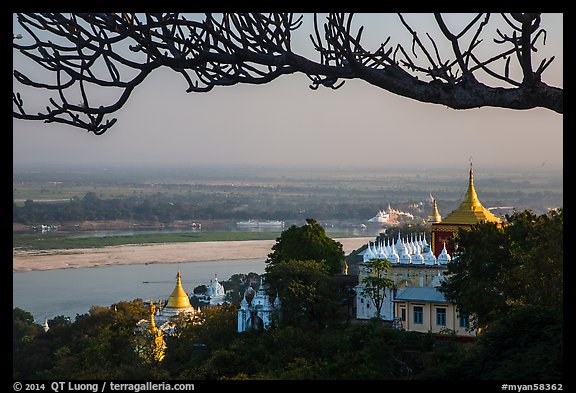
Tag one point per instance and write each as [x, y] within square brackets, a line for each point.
[68, 292]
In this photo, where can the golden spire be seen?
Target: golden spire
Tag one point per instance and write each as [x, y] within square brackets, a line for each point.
[471, 197]
[157, 344]
[435, 216]
[179, 297]
[152, 326]
[470, 210]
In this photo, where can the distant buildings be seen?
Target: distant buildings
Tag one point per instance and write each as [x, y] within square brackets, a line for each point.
[390, 217]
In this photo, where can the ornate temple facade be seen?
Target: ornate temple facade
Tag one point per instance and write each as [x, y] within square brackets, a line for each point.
[413, 264]
[417, 266]
[256, 311]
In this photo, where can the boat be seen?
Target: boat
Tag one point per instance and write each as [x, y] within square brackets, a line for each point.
[260, 223]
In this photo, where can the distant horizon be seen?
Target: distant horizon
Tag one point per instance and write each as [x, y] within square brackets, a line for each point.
[542, 167]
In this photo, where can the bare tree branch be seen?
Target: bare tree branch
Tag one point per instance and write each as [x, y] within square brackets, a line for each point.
[92, 62]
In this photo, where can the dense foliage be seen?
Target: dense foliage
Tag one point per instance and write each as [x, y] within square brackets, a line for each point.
[308, 295]
[99, 346]
[499, 269]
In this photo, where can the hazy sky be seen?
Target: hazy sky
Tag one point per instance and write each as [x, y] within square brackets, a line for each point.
[287, 123]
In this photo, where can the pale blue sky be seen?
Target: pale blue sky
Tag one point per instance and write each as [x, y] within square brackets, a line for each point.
[284, 123]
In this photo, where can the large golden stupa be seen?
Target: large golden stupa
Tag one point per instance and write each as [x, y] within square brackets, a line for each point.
[178, 299]
[470, 212]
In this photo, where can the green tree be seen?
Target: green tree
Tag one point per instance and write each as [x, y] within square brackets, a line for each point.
[308, 242]
[197, 338]
[308, 295]
[375, 282]
[537, 249]
[59, 320]
[477, 277]
[496, 269]
[23, 327]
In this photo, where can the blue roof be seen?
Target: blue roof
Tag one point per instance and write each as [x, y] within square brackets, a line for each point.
[426, 294]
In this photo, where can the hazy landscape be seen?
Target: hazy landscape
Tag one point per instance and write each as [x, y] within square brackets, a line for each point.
[224, 194]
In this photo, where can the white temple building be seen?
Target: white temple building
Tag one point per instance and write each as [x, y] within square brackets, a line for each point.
[256, 310]
[413, 264]
[216, 292]
[389, 216]
[411, 250]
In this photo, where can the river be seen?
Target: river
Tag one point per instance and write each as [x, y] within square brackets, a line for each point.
[68, 292]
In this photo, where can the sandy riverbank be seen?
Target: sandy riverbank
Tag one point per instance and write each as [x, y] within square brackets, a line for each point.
[154, 253]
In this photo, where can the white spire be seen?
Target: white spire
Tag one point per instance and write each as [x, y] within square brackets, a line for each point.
[444, 257]
[413, 245]
[393, 256]
[405, 258]
[399, 246]
[368, 254]
[380, 253]
[387, 246]
[417, 258]
[429, 258]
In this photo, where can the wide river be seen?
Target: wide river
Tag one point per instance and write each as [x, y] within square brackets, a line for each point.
[68, 292]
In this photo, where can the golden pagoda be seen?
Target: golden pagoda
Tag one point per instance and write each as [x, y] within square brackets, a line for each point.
[469, 213]
[178, 298]
[470, 210]
[178, 303]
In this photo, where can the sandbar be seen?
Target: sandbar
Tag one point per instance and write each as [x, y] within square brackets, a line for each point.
[23, 261]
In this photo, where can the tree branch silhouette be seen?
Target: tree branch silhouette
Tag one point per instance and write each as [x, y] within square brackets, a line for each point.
[87, 57]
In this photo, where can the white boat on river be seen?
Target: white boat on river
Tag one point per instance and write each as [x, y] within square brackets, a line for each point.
[260, 223]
